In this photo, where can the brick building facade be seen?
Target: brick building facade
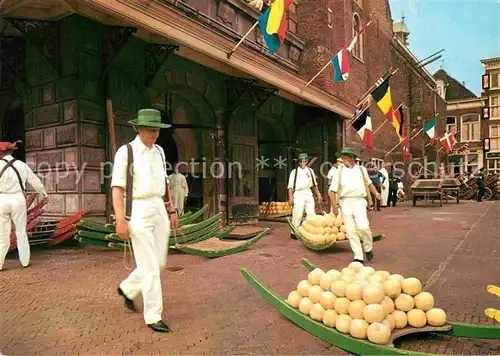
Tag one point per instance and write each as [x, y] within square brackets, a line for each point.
[491, 97]
[382, 46]
[61, 62]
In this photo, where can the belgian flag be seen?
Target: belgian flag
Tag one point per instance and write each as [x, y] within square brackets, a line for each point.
[382, 95]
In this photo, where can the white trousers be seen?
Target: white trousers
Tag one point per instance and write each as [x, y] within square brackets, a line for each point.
[149, 229]
[302, 199]
[178, 197]
[13, 209]
[357, 225]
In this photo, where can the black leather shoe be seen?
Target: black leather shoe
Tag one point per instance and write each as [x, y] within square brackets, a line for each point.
[159, 327]
[369, 255]
[129, 303]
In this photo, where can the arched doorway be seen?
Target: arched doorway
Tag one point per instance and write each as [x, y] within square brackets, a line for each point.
[188, 143]
[13, 130]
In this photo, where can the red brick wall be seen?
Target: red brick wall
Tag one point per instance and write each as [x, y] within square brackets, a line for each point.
[379, 53]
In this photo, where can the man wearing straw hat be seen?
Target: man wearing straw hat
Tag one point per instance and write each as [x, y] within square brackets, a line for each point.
[301, 182]
[14, 175]
[352, 186]
[148, 224]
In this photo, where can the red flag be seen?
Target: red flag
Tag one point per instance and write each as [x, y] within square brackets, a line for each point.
[448, 141]
[406, 149]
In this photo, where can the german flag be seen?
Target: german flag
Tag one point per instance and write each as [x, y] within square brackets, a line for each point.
[382, 95]
[400, 121]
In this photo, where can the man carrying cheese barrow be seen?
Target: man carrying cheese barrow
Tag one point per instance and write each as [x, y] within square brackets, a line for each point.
[302, 179]
[352, 186]
[143, 186]
[14, 175]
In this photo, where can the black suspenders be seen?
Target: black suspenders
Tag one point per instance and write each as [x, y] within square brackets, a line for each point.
[11, 165]
[312, 177]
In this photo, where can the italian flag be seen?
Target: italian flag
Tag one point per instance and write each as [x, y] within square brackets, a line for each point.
[430, 128]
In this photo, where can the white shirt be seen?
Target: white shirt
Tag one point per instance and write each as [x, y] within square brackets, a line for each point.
[179, 181]
[353, 185]
[304, 179]
[331, 173]
[149, 170]
[9, 183]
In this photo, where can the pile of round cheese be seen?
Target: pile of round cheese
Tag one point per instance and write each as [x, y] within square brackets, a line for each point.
[365, 303]
[274, 208]
[323, 228]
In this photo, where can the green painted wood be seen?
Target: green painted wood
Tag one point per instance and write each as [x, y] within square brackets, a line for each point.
[321, 331]
[226, 232]
[94, 226]
[193, 217]
[458, 329]
[195, 235]
[472, 331]
[233, 248]
[187, 229]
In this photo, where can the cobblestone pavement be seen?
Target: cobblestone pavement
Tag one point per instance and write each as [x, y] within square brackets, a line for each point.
[66, 302]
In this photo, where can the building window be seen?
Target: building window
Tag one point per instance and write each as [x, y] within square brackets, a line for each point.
[470, 128]
[495, 137]
[357, 51]
[292, 17]
[495, 107]
[451, 124]
[495, 80]
[493, 165]
[464, 163]
[330, 18]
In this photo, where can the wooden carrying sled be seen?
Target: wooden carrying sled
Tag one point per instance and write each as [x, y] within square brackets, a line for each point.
[357, 346]
[326, 245]
[204, 238]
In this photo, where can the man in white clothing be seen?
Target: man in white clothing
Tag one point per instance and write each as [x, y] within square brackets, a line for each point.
[302, 179]
[143, 186]
[180, 189]
[352, 186]
[385, 185]
[333, 171]
[14, 175]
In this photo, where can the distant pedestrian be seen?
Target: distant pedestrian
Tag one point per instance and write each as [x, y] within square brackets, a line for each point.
[393, 187]
[377, 179]
[480, 185]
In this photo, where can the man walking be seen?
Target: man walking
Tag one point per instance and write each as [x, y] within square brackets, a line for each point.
[180, 189]
[385, 186]
[393, 187]
[480, 185]
[352, 186]
[148, 226]
[377, 179]
[14, 175]
[302, 179]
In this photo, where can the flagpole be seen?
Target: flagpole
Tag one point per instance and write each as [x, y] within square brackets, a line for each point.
[242, 39]
[367, 94]
[330, 62]
[400, 142]
[378, 128]
[321, 71]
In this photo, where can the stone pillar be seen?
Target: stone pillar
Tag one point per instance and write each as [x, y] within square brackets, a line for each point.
[64, 114]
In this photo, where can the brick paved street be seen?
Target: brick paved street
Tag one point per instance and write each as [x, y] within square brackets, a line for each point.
[66, 302]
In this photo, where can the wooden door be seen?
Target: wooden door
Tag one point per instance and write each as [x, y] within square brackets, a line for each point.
[243, 190]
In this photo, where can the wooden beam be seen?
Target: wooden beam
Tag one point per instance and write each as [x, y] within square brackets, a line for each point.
[13, 5]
